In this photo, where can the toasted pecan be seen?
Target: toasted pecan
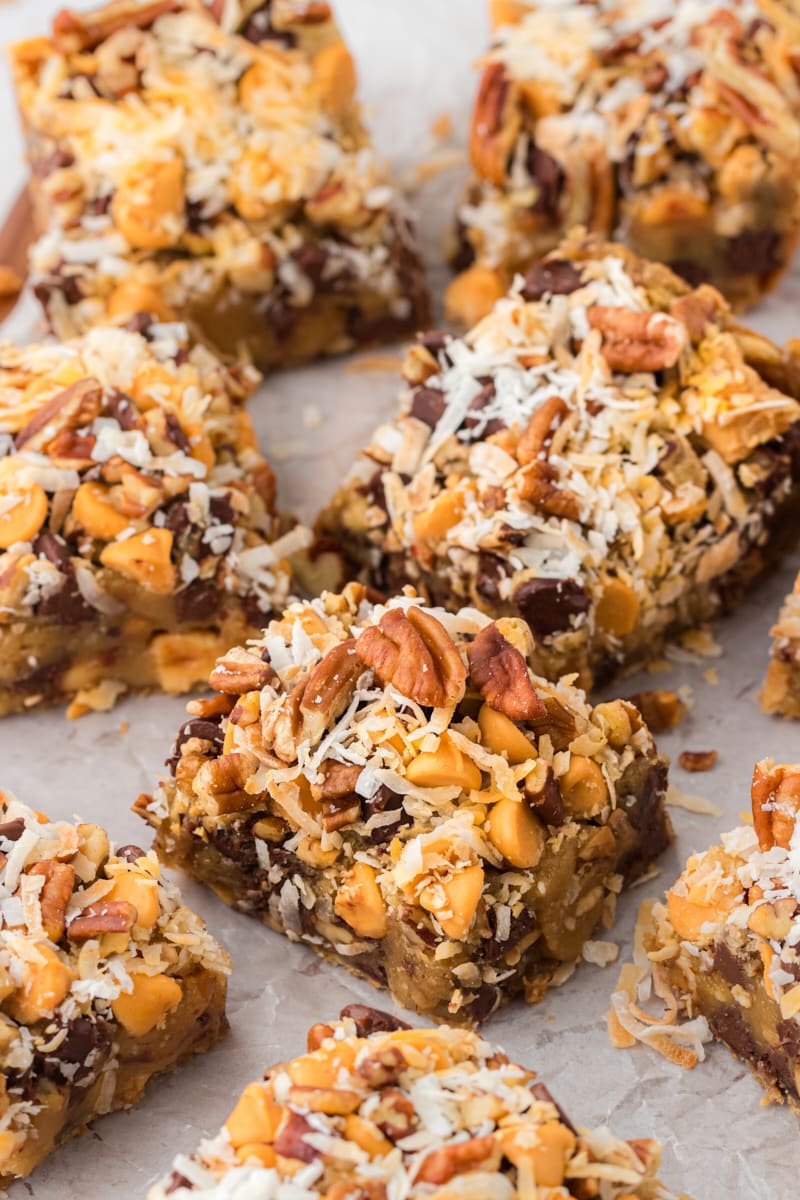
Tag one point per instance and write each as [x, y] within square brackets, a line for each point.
[240, 671]
[775, 796]
[638, 341]
[501, 675]
[107, 916]
[414, 653]
[59, 881]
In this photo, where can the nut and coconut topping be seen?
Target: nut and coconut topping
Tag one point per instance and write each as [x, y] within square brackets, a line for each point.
[129, 465]
[603, 442]
[674, 128]
[367, 768]
[376, 1109]
[208, 163]
[96, 951]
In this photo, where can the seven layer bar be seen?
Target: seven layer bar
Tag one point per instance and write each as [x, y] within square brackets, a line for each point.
[375, 1109]
[106, 980]
[393, 786]
[135, 510]
[606, 454]
[224, 178]
[672, 127]
[723, 950]
[781, 691]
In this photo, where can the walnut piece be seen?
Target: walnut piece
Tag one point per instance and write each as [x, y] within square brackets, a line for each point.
[501, 675]
[414, 653]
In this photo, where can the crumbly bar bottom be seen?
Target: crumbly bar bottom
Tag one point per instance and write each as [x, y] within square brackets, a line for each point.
[576, 651]
[733, 998]
[194, 1026]
[94, 662]
[567, 904]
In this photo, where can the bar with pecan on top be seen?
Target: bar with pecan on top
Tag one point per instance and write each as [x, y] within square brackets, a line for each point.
[723, 949]
[138, 530]
[606, 455]
[209, 164]
[392, 785]
[672, 127]
[781, 691]
[106, 980]
[377, 1109]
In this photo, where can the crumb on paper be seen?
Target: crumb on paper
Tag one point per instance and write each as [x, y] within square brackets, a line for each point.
[694, 645]
[746, 818]
[11, 284]
[697, 760]
[124, 726]
[100, 698]
[651, 873]
[600, 954]
[437, 164]
[291, 448]
[375, 362]
[312, 416]
[694, 804]
[441, 128]
[686, 694]
[658, 666]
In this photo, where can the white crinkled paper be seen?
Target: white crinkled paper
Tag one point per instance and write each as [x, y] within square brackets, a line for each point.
[415, 63]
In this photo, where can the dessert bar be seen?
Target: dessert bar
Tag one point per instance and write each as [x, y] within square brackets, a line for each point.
[106, 981]
[781, 691]
[393, 786]
[672, 127]
[138, 534]
[606, 455]
[216, 174]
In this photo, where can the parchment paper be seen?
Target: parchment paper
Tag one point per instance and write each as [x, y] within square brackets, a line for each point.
[414, 60]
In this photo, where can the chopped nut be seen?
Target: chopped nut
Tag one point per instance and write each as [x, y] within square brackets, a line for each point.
[107, 916]
[697, 760]
[441, 1165]
[775, 797]
[59, 881]
[638, 341]
[414, 653]
[501, 675]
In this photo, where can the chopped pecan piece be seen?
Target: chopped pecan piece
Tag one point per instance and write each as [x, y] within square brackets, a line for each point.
[220, 784]
[59, 881]
[638, 341]
[697, 760]
[415, 654]
[290, 1140]
[83, 31]
[441, 1165]
[495, 124]
[240, 671]
[539, 485]
[107, 916]
[328, 689]
[540, 429]
[77, 405]
[501, 675]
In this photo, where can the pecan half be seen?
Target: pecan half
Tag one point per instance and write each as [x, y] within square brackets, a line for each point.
[220, 784]
[441, 1165]
[59, 881]
[539, 485]
[240, 670]
[775, 796]
[74, 407]
[637, 341]
[107, 916]
[500, 674]
[540, 429]
[495, 124]
[83, 31]
[414, 653]
[328, 689]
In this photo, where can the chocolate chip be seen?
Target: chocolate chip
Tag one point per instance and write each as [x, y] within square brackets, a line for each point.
[553, 277]
[175, 433]
[290, 1140]
[491, 570]
[198, 601]
[120, 406]
[473, 421]
[492, 948]
[436, 341]
[729, 966]
[693, 272]
[548, 804]
[198, 727]
[61, 282]
[85, 1046]
[756, 253]
[487, 998]
[543, 1093]
[428, 405]
[221, 509]
[463, 256]
[549, 605]
[311, 259]
[729, 1026]
[548, 176]
[41, 679]
[177, 1181]
[371, 1020]
[67, 605]
[385, 800]
[130, 853]
[12, 831]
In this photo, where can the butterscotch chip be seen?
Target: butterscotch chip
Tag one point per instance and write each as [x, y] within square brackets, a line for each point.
[406, 795]
[95, 991]
[345, 1108]
[722, 950]
[603, 456]
[689, 155]
[208, 163]
[138, 531]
